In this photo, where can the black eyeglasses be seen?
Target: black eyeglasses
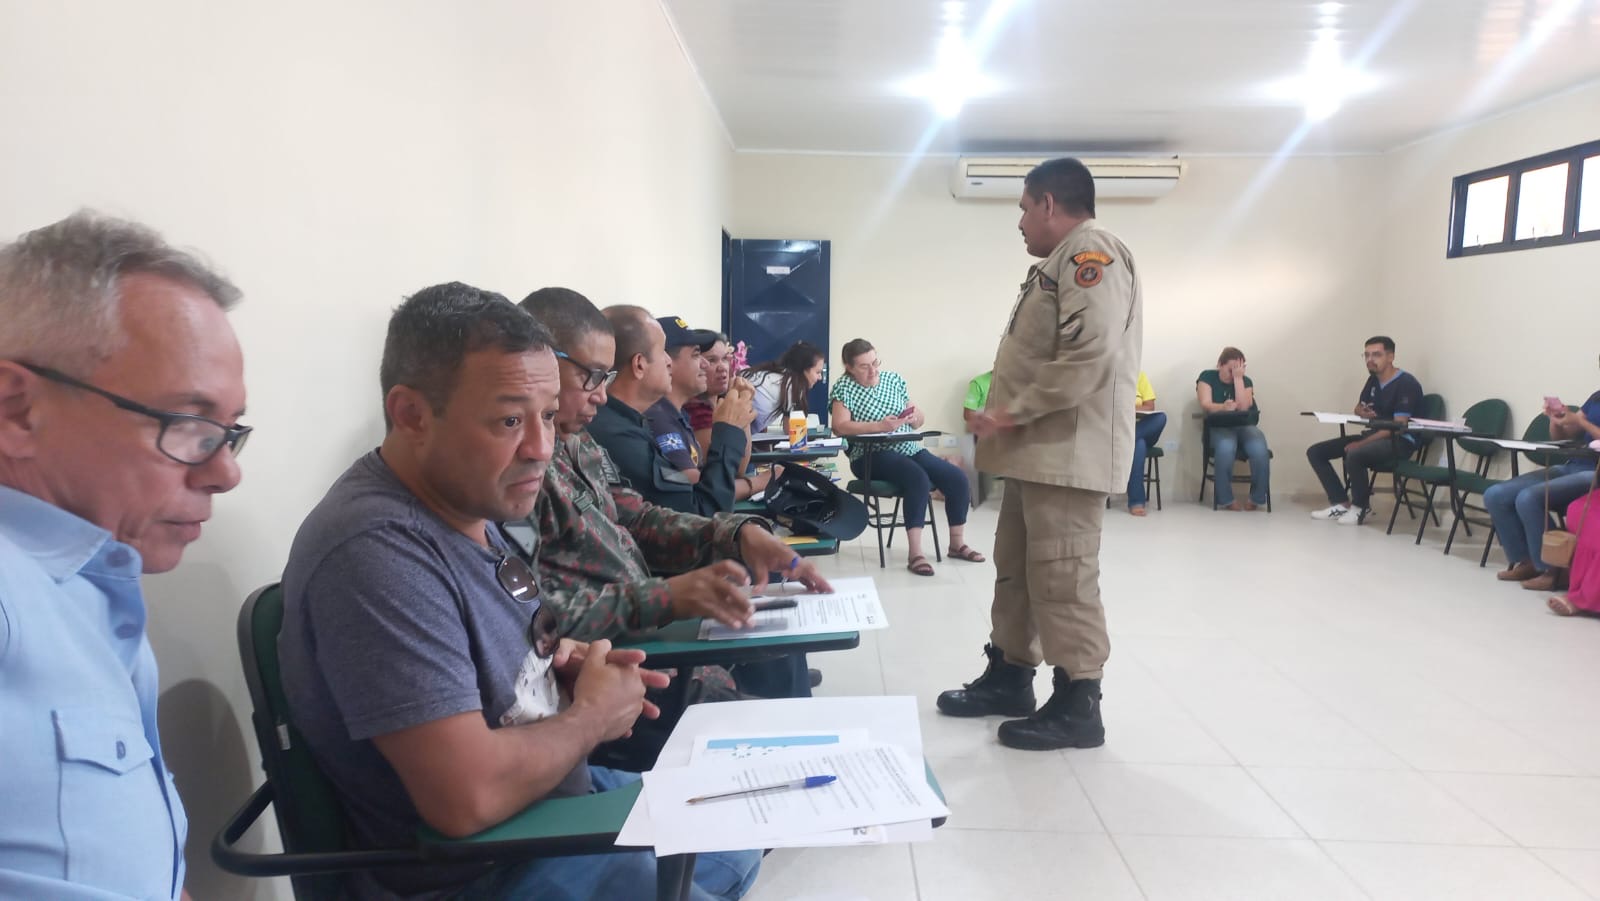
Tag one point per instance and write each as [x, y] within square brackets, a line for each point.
[186, 438]
[517, 579]
[592, 378]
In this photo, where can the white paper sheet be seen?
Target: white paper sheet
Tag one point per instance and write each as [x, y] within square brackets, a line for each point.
[1338, 418]
[852, 606]
[1511, 444]
[878, 784]
[886, 719]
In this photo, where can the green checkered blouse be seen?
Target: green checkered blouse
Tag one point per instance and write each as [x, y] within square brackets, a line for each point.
[885, 399]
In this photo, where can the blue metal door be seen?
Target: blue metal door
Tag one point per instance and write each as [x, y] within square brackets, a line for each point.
[774, 294]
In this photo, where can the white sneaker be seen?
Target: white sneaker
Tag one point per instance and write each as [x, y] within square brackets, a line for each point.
[1331, 513]
[1354, 516]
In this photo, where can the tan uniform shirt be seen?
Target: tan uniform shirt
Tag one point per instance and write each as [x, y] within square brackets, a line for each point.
[1067, 367]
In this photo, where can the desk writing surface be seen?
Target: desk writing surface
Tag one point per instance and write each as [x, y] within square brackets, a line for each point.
[678, 644]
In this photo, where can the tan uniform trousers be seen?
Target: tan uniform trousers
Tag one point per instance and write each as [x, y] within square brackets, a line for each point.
[1047, 590]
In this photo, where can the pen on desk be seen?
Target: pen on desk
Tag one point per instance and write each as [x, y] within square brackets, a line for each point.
[807, 782]
[780, 604]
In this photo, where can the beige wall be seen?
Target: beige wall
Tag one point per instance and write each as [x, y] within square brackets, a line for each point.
[1517, 325]
[333, 157]
[1282, 261]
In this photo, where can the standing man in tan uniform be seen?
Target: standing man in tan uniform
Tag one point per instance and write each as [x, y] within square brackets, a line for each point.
[1059, 428]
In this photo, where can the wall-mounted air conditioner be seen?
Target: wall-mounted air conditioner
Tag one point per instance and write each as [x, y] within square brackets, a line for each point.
[1000, 178]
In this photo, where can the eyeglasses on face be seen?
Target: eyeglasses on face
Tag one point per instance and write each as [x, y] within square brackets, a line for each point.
[592, 378]
[184, 437]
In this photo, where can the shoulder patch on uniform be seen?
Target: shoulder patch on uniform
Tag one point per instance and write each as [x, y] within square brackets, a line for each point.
[671, 442]
[1088, 275]
[1091, 268]
[1046, 282]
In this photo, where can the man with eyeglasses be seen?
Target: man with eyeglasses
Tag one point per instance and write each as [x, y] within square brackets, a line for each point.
[645, 376]
[121, 385]
[414, 657]
[611, 561]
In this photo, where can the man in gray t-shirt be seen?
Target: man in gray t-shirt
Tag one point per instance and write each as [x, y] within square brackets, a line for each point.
[408, 660]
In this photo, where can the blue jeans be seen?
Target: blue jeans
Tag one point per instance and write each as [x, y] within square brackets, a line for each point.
[916, 476]
[627, 876]
[1516, 507]
[1225, 445]
[1146, 432]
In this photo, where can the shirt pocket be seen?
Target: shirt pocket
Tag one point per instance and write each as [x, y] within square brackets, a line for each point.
[115, 819]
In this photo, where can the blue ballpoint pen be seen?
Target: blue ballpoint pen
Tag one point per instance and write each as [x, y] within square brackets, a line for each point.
[807, 782]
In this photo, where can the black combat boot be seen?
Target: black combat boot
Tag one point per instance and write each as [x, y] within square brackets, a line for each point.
[1004, 689]
[1070, 719]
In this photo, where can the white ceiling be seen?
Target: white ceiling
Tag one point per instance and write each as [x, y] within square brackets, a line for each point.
[1126, 75]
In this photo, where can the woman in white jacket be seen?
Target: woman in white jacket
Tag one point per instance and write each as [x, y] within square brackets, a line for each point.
[782, 384]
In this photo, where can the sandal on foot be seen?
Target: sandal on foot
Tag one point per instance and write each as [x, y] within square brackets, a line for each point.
[1560, 606]
[965, 552]
[920, 565]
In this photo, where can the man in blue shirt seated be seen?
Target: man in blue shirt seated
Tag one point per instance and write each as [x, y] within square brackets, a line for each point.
[1389, 394]
[417, 659]
[644, 365]
[674, 435]
[121, 385]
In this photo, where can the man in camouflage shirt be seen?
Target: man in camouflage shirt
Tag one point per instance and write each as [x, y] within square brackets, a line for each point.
[599, 541]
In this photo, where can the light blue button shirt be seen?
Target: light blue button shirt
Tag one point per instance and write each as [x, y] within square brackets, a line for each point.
[87, 808]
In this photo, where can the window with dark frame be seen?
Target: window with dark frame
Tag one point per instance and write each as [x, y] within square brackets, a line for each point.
[1553, 198]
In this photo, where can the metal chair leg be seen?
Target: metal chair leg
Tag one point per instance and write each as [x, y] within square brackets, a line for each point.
[1487, 544]
[1153, 464]
[1427, 511]
[933, 526]
[674, 877]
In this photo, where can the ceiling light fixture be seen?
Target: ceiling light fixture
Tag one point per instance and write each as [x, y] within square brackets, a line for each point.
[957, 75]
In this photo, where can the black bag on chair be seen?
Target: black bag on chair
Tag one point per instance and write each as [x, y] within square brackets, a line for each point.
[803, 501]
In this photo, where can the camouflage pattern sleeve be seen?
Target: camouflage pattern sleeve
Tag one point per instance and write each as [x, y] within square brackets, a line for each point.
[587, 574]
[675, 542]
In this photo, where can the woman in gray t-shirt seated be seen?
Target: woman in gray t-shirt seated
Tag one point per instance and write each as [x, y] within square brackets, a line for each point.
[1229, 399]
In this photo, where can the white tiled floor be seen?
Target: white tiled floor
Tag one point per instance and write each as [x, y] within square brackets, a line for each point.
[1294, 710]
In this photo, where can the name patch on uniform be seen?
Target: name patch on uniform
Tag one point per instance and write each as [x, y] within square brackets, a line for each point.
[609, 469]
[671, 442]
[1091, 268]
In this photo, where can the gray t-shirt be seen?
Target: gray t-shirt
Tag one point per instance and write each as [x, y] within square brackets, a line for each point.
[393, 619]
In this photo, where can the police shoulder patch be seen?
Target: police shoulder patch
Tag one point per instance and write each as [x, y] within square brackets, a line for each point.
[671, 442]
[1091, 256]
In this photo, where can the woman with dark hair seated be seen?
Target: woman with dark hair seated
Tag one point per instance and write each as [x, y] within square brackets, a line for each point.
[1228, 397]
[782, 384]
[869, 399]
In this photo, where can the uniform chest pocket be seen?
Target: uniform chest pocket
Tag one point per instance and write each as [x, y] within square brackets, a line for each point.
[113, 803]
[1035, 328]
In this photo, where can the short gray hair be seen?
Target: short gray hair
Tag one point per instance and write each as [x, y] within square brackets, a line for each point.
[59, 292]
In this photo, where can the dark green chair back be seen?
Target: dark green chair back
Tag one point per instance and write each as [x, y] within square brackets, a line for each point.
[309, 816]
[1432, 408]
[1486, 417]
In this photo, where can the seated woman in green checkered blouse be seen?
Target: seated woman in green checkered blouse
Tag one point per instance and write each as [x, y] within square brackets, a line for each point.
[869, 399]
